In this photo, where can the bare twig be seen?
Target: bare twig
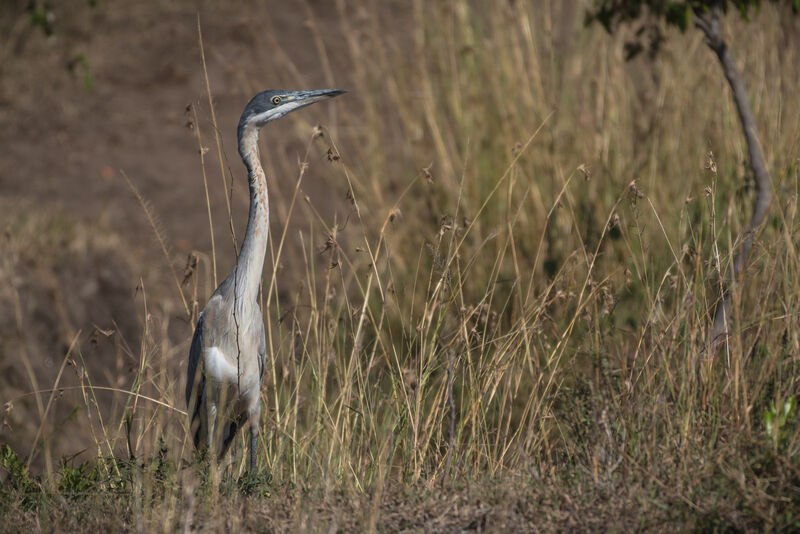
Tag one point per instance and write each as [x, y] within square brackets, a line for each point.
[710, 23]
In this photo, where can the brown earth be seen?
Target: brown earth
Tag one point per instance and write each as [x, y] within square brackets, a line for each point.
[106, 93]
[65, 143]
[109, 92]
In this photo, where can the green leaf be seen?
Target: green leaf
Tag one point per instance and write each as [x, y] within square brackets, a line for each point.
[769, 422]
[789, 407]
[679, 14]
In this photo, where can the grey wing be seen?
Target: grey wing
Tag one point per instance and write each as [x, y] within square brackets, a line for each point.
[262, 350]
[195, 353]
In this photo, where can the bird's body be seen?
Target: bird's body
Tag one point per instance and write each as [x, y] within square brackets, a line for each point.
[228, 351]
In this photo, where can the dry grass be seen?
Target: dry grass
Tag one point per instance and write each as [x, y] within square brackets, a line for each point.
[504, 325]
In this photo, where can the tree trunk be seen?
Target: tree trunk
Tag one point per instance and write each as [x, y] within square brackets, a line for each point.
[710, 23]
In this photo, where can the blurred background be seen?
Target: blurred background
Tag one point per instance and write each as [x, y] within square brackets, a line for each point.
[446, 99]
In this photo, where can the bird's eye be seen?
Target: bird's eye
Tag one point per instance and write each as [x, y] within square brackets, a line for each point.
[276, 100]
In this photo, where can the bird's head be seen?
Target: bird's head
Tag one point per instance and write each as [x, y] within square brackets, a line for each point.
[270, 105]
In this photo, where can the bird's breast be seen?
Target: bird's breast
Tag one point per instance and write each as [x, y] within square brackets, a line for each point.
[218, 367]
[221, 370]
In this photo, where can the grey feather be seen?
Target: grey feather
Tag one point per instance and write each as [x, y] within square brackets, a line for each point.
[194, 358]
[229, 348]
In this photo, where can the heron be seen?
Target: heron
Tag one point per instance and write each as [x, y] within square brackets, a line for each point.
[228, 351]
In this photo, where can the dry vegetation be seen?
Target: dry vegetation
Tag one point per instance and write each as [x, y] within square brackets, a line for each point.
[501, 325]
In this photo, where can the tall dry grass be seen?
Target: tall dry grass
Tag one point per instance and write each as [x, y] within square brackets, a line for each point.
[516, 285]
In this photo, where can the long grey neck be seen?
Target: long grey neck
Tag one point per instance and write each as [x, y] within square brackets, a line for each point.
[248, 268]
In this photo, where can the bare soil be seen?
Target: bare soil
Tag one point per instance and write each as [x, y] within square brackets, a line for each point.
[109, 92]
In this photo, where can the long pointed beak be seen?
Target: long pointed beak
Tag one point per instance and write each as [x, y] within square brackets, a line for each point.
[316, 95]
